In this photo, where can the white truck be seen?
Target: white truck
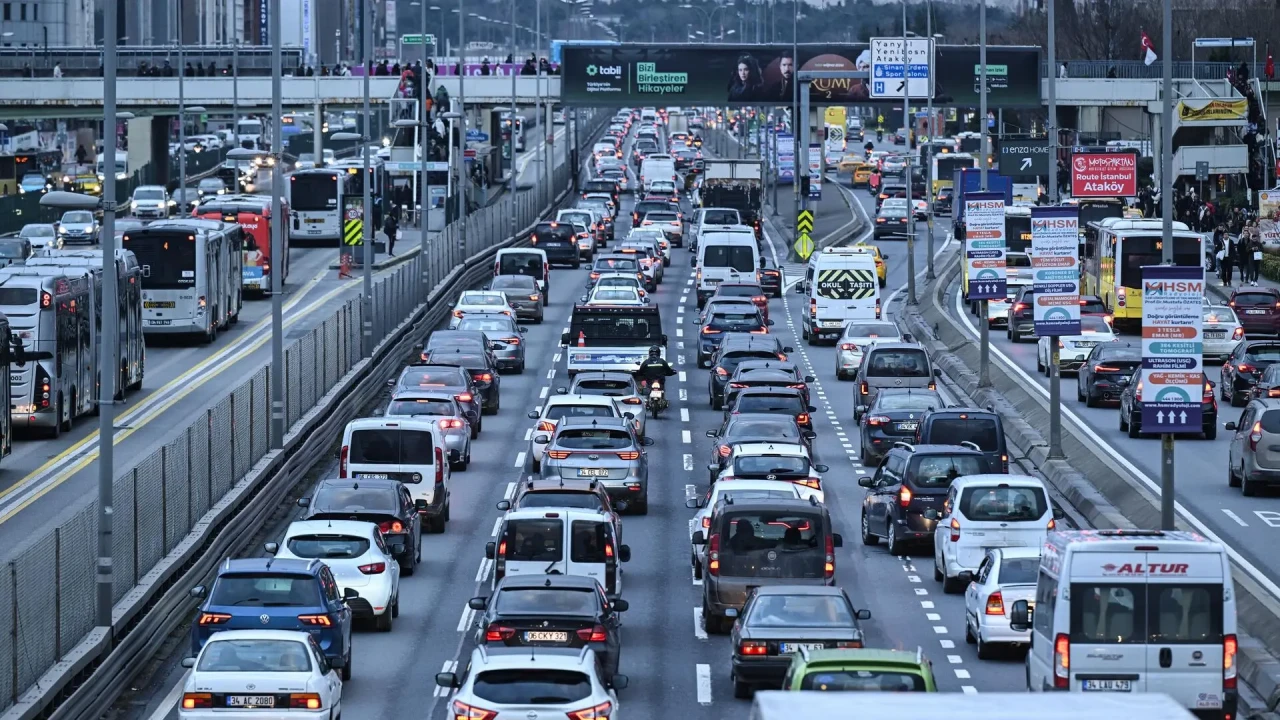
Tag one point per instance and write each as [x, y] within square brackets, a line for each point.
[782, 705]
[737, 184]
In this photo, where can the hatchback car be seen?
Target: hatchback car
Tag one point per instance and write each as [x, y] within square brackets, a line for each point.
[1268, 385]
[767, 374]
[912, 480]
[857, 335]
[15, 251]
[478, 301]
[860, 670]
[558, 408]
[1258, 309]
[43, 236]
[1253, 462]
[1004, 576]
[1131, 408]
[506, 682]
[742, 290]
[299, 595]
[450, 379]
[894, 416]
[506, 339]
[616, 296]
[523, 295]
[1242, 368]
[776, 461]
[468, 340]
[734, 349]
[619, 386]
[891, 221]
[1073, 349]
[603, 449]
[777, 401]
[483, 371]
[1106, 372]
[1221, 330]
[1021, 321]
[606, 263]
[78, 226]
[742, 428]
[360, 559]
[385, 503]
[998, 309]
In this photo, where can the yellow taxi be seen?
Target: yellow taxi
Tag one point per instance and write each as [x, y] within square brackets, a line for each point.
[849, 162]
[882, 270]
[861, 175]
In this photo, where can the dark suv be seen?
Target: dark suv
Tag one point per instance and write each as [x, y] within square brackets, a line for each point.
[1258, 309]
[734, 348]
[957, 426]
[559, 241]
[912, 480]
[1021, 323]
[1243, 367]
[1106, 371]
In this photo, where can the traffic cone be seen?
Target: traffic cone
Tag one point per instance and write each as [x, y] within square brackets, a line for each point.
[582, 339]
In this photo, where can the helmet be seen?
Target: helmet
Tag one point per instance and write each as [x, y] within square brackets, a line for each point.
[655, 351]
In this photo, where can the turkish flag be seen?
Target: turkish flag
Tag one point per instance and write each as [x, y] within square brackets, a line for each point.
[1149, 48]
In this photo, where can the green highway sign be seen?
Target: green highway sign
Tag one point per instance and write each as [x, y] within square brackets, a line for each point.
[416, 39]
[992, 69]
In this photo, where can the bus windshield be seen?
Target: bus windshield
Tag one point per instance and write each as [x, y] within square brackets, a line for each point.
[948, 164]
[168, 260]
[1096, 211]
[313, 192]
[1135, 252]
[617, 326]
[1017, 232]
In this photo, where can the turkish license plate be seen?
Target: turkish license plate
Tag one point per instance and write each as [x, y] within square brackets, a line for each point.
[785, 648]
[158, 304]
[1106, 685]
[546, 636]
[251, 701]
[373, 476]
[1086, 343]
[159, 322]
[593, 472]
[907, 425]
[711, 281]
[1255, 312]
[1215, 334]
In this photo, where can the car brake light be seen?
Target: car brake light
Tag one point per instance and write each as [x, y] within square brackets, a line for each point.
[629, 455]
[485, 377]
[316, 620]
[592, 634]
[829, 565]
[955, 530]
[1106, 368]
[864, 389]
[877, 420]
[812, 483]
[193, 701]
[546, 426]
[373, 568]
[848, 347]
[1229, 648]
[1019, 307]
[708, 330]
[450, 423]
[725, 450]
[995, 603]
[1255, 435]
[305, 701]
[391, 526]
[440, 460]
[498, 633]
[1062, 662]
[457, 313]
[1245, 368]
[558, 454]
[753, 647]
[342, 461]
[463, 711]
[208, 618]
[706, 521]
[595, 712]
[904, 497]
[464, 397]
[713, 555]
[802, 418]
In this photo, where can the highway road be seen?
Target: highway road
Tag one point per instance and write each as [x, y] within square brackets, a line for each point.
[675, 669]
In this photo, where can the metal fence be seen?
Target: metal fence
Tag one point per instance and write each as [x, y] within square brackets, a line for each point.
[1138, 70]
[47, 586]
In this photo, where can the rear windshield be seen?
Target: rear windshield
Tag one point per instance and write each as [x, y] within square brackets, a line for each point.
[770, 404]
[905, 362]
[420, 406]
[1003, 504]
[327, 546]
[734, 321]
[622, 294]
[487, 325]
[661, 216]
[594, 439]
[903, 401]
[731, 360]
[353, 498]
[263, 590]
[789, 611]
[588, 541]
[255, 656]
[615, 264]
[559, 412]
[781, 431]
[1092, 306]
[1271, 421]
[862, 681]
[1264, 353]
[546, 601]
[535, 540]
[981, 431]
[1254, 299]
[565, 499]
[1134, 613]
[513, 282]
[728, 290]
[529, 264]
[531, 687]
[1220, 315]
[770, 465]
[470, 362]
[394, 446]
[937, 471]
[484, 299]
[546, 233]
[604, 387]
[720, 217]
[871, 330]
[739, 257]
[1018, 571]
[772, 544]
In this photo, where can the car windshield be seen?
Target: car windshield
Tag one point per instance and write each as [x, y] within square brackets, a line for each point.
[351, 497]
[899, 362]
[615, 264]
[771, 465]
[863, 681]
[769, 544]
[735, 321]
[266, 590]
[562, 498]
[907, 401]
[937, 471]
[395, 446]
[593, 439]
[561, 411]
[621, 294]
[981, 431]
[1003, 503]
[148, 194]
[546, 601]
[483, 300]
[535, 540]
[789, 611]
[410, 407]
[78, 217]
[531, 687]
[790, 404]
[1018, 571]
[871, 330]
[254, 656]
[327, 546]
[13, 249]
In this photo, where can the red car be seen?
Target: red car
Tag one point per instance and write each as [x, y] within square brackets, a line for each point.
[1258, 309]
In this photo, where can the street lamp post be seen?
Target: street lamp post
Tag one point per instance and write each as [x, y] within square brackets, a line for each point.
[511, 183]
[366, 22]
[277, 233]
[462, 127]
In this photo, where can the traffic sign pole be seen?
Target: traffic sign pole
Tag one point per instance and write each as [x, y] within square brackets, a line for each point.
[911, 203]
[984, 347]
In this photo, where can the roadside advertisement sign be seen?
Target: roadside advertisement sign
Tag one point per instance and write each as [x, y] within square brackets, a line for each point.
[984, 245]
[786, 159]
[834, 121]
[815, 171]
[1104, 174]
[1172, 349]
[1268, 203]
[1055, 270]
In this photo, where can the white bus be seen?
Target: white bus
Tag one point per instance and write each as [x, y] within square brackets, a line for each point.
[51, 311]
[316, 201]
[192, 276]
[132, 351]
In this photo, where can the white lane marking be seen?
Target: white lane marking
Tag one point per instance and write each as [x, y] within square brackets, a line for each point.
[703, 673]
[1235, 517]
[449, 666]
[681, 376]
[483, 572]
[511, 490]
[679, 332]
[926, 604]
[921, 591]
[680, 359]
[543, 394]
[947, 644]
[962, 674]
[940, 629]
[551, 373]
[170, 700]
[698, 631]
[680, 345]
[684, 414]
[685, 437]
[688, 464]
[684, 394]
[969, 689]
[955, 659]
[465, 621]
[520, 460]
[913, 578]
[555, 358]
[497, 526]
[528, 434]
[933, 617]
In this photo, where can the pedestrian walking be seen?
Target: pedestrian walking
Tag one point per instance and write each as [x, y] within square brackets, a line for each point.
[57, 70]
[391, 226]
[1255, 254]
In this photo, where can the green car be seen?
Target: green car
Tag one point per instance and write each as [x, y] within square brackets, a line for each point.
[861, 669]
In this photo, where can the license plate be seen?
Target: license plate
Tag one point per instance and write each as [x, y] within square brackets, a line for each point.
[159, 322]
[158, 304]
[545, 636]
[711, 281]
[1085, 344]
[908, 425]
[1255, 312]
[785, 648]
[593, 472]
[1215, 334]
[373, 476]
[1106, 685]
[248, 701]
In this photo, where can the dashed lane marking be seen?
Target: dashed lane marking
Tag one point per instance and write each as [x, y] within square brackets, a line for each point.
[681, 375]
[551, 373]
[685, 437]
[485, 565]
[698, 631]
[511, 490]
[679, 332]
[961, 673]
[933, 617]
[940, 629]
[520, 460]
[955, 659]
[969, 689]
[465, 621]
[703, 673]
[688, 466]
[684, 394]
[543, 394]
[684, 414]
[528, 434]
[947, 644]
[926, 604]
[497, 526]
[1235, 517]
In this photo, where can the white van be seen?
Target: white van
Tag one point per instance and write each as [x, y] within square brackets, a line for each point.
[657, 167]
[842, 285]
[982, 512]
[524, 261]
[559, 541]
[712, 216]
[409, 450]
[1134, 611]
[726, 253]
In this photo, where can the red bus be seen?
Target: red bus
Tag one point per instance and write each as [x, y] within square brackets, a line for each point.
[253, 213]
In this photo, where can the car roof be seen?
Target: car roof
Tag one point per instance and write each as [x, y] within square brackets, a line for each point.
[762, 418]
[990, 479]
[593, 422]
[939, 449]
[419, 394]
[574, 399]
[793, 449]
[496, 657]
[602, 375]
[770, 391]
[555, 513]
[1017, 552]
[962, 410]
[1268, 403]
[904, 659]
[330, 527]
[540, 484]
[743, 484]
[768, 364]
[255, 634]
[394, 421]
[380, 483]
[747, 341]
[890, 345]
[289, 566]
[522, 580]
[796, 504]
[811, 590]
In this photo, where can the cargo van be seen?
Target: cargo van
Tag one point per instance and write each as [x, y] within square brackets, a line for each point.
[409, 450]
[559, 541]
[1134, 611]
[788, 705]
[727, 254]
[842, 284]
[656, 168]
[524, 261]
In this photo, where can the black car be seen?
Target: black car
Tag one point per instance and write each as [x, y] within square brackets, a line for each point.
[482, 368]
[1131, 407]
[770, 277]
[912, 480]
[942, 201]
[983, 429]
[644, 207]
[559, 241]
[445, 378]
[734, 349]
[724, 319]
[1243, 367]
[743, 428]
[893, 416]
[1268, 386]
[468, 340]
[1106, 372]
[556, 611]
[778, 620]
[779, 401]
[385, 503]
[767, 374]
[606, 185]
[1021, 322]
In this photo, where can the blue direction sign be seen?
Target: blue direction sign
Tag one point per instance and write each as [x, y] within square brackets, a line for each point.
[1172, 349]
[474, 135]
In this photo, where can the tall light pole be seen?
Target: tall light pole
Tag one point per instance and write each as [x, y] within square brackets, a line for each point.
[424, 135]
[1051, 130]
[440, 42]
[1167, 496]
[462, 126]
[512, 186]
[984, 349]
[906, 125]
[277, 232]
[182, 122]
[235, 92]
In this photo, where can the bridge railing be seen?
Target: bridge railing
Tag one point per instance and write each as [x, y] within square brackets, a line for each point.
[1138, 70]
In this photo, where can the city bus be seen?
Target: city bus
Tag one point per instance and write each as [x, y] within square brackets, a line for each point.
[14, 356]
[316, 201]
[253, 214]
[132, 350]
[1123, 247]
[1094, 210]
[969, 142]
[192, 281]
[51, 311]
[942, 167]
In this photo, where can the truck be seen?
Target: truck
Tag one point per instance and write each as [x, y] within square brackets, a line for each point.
[780, 705]
[968, 180]
[737, 184]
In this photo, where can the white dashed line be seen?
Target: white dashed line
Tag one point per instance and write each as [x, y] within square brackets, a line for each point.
[703, 673]
[679, 359]
[551, 373]
[483, 572]
[520, 460]
[698, 631]
[555, 358]
[921, 591]
[969, 689]
[947, 644]
[933, 617]
[962, 674]
[685, 437]
[955, 659]
[913, 578]
[511, 490]
[528, 433]
[684, 394]
[940, 629]
[684, 414]
[688, 465]
[926, 604]
[543, 395]
[679, 332]
[680, 345]
[464, 622]
[681, 376]
[497, 526]
[1235, 517]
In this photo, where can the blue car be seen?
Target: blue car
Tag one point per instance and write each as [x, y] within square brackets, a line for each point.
[271, 594]
[32, 183]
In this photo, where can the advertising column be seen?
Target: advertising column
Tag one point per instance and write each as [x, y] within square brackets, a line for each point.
[786, 158]
[815, 171]
[984, 245]
[1055, 270]
[1172, 370]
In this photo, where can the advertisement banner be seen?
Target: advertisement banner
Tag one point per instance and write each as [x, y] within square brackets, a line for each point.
[834, 120]
[1104, 175]
[786, 158]
[1212, 112]
[1268, 203]
[984, 245]
[681, 74]
[1172, 349]
[815, 171]
[1055, 270]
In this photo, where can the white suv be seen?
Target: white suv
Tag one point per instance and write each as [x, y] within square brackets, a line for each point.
[505, 682]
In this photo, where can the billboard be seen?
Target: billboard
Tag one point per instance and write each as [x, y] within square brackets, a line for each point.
[672, 74]
[1172, 349]
[1109, 174]
[1055, 270]
[785, 160]
[984, 243]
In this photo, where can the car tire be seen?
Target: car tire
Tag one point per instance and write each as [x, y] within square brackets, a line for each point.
[1211, 432]
[741, 690]
[346, 668]
[1247, 489]
[1232, 479]
[952, 586]
[395, 606]
[896, 546]
[1133, 428]
[1040, 366]
[520, 368]
[1236, 400]
[867, 537]
[717, 403]
[985, 650]
[409, 565]
[1222, 389]
[642, 507]
[436, 525]
[384, 622]
[1090, 400]
[968, 633]
[938, 575]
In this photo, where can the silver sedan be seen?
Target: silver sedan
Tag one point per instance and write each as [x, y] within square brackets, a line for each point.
[505, 337]
[1004, 576]
[522, 294]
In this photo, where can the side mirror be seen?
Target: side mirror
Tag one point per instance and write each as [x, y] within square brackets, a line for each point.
[350, 593]
[188, 662]
[863, 614]
[478, 603]
[693, 320]
[564, 341]
[693, 503]
[693, 261]
[808, 378]
[809, 434]
[624, 553]
[198, 591]
[562, 391]
[522, 329]
[866, 482]
[646, 441]
[619, 682]
[420, 504]
[937, 372]
[812, 409]
[271, 548]
[533, 415]
[713, 468]
[1231, 426]
[619, 605]
[699, 538]
[396, 548]
[338, 663]
[629, 415]
[444, 680]
[837, 540]
[788, 349]
[504, 505]
[770, 323]
[583, 299]
[1020, 616]
[965, 576]
[712, 433]
[542, 439]
[304, 502]
[490, 550]
[859, 411]
[821, 468]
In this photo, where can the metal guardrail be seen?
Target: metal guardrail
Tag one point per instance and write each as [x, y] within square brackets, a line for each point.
[198, 497]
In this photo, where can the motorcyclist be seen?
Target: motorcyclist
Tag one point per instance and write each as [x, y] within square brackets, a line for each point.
[654, 367]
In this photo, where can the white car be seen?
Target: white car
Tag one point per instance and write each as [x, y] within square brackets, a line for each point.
[501, 682]
[44, 236]
[1005, 576]
[620, 280]
[359, 558]
[998, 308]
[651, 233]
[651, 262]
[1222, 331]
[620, 386]
[151, 201]
[616, 296]
[260, 674]
[1073, 349]
[478, 301]
[562, 406]
[858, 334]
[780, 462]
[738, 489]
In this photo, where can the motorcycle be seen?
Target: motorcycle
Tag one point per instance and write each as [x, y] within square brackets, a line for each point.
[879, 136]
[656, 398]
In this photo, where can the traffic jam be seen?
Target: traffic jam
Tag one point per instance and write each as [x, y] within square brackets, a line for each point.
[673, 427]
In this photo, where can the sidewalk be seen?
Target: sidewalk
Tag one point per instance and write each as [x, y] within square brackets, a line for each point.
[408, 246]
[1215, 287]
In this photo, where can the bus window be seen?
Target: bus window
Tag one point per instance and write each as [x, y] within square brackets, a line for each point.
[310, 192]
[1139, 251]
[1017, 233]
[168, 263]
